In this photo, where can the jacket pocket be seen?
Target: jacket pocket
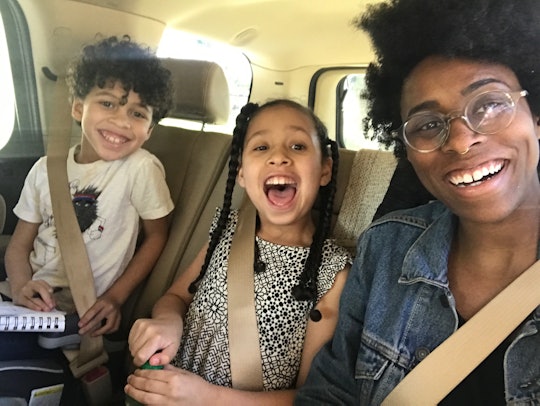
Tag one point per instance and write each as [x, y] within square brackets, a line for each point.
[369, 368]
[375, 373]
[370, 364]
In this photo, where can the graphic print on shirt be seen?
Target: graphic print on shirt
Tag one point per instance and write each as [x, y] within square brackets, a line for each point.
[85, 203]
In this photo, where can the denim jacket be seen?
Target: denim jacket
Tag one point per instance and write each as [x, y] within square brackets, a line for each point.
[397, 307]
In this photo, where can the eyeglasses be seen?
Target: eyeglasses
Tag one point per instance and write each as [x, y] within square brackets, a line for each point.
[485, 113]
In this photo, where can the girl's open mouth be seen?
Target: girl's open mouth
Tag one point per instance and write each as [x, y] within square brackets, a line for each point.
[280, 190]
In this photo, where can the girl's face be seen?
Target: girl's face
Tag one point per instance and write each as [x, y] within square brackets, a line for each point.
[498, 174]
[282, 166]
[113, 126]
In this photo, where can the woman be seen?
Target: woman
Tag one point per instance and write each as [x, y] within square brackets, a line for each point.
[456, 89]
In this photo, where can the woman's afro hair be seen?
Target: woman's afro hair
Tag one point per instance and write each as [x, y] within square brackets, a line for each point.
[404, 32]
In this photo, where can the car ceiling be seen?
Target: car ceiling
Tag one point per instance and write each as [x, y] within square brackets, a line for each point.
[274, 34]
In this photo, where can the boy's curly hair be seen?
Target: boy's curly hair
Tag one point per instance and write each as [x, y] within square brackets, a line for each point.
[120, 59]
[404, 32]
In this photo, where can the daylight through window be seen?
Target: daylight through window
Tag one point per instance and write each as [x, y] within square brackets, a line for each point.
[180, 45]
[7, 96]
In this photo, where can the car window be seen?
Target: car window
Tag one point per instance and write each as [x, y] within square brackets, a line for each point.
[21, 137]
[20, 129]
[7, 96]
[235, 65]
[351, 111]
[335, 96]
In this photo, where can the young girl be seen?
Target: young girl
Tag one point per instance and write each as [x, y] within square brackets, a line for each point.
[282, 156]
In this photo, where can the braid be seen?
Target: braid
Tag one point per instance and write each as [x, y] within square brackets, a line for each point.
[239, 134]
[307, 288]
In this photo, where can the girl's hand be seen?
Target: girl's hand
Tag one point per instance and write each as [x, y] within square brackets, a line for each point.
[102, 318]
[169, 386]
[156, 340]
[36, 295]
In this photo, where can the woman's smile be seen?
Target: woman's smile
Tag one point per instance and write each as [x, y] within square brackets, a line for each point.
[475, 176]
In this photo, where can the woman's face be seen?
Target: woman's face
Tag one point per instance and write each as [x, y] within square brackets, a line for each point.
[480, 177]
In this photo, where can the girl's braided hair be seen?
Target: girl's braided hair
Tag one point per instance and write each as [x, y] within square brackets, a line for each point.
[307, 287]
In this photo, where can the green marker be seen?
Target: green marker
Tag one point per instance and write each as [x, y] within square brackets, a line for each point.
[147, 365]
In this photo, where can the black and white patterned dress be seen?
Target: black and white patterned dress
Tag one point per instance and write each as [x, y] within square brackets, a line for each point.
[281, 319]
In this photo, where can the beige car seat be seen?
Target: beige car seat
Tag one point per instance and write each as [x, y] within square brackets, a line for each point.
[364, 179]
[193, 161]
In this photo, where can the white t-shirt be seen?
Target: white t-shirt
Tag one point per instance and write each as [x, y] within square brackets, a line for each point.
[109, 198]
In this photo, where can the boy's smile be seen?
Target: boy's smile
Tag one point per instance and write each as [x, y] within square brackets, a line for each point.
[113, 124]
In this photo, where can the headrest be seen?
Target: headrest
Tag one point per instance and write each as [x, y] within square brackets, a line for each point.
[201, 91]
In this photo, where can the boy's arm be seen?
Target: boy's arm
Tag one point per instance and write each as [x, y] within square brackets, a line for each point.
[19, 270]
[107, 307]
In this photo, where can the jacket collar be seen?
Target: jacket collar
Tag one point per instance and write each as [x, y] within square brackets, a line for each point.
[427, 259]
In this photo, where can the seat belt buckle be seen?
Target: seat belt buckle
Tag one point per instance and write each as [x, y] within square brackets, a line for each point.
[79, 369]
[97, 387]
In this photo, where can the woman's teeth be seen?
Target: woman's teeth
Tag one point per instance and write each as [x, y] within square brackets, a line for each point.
[479, 174]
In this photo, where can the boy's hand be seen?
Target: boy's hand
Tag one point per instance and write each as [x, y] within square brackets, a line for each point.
[36, 295]
[102, 318]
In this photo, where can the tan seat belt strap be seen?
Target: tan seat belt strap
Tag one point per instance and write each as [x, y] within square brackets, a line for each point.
[70, 240]
[244, 349]
[443, 369]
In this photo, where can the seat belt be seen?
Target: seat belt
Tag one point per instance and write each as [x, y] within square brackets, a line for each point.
[70, 240]
[244, 348]
[444, 368]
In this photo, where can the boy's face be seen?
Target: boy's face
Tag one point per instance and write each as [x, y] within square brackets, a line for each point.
[113, 126]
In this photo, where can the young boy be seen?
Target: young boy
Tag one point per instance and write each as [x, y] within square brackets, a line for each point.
[119, 91]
